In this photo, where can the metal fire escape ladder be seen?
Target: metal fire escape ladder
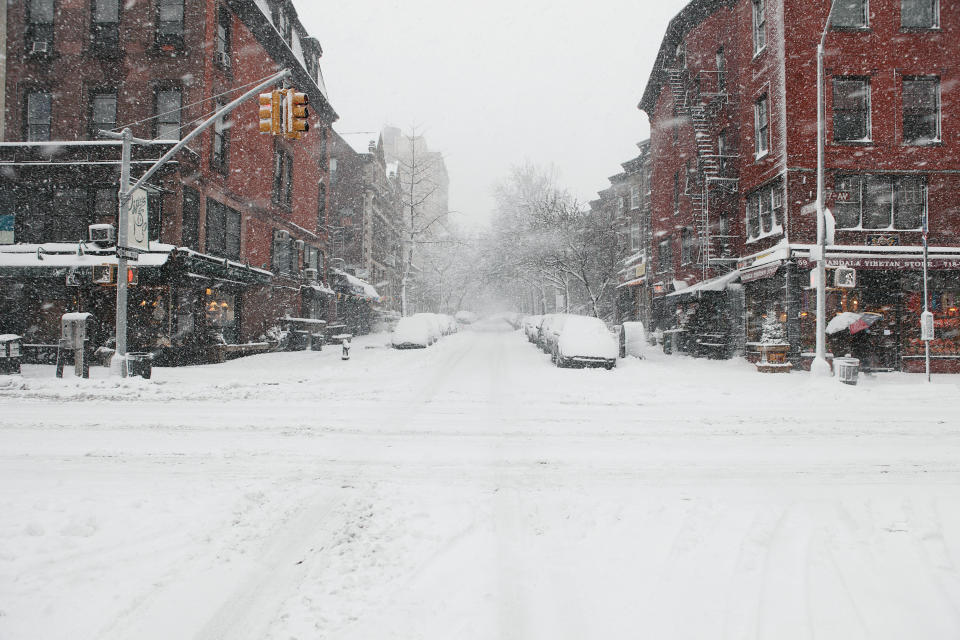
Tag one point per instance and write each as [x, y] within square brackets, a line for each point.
[689, 103]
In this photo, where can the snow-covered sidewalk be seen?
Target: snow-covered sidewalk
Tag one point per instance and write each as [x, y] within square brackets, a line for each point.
[472, 490]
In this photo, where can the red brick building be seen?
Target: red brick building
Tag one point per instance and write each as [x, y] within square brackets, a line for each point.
[732, 106]
[237, 220]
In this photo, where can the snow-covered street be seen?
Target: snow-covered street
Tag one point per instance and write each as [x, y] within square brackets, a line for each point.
[472, 490]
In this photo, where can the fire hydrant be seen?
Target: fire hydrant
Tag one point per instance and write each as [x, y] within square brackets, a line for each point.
[345, 344]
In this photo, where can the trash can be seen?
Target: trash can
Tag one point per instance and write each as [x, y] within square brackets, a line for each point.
[847, 369]
[140, 364]
[11, 348]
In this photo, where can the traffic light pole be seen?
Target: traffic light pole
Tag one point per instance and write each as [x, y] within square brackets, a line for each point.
[126, 190]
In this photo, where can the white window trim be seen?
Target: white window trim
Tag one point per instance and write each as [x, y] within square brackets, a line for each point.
[776, 228]
[754, 30]
[892, 226]
[757, 154]
[868, 81]
[939, 137]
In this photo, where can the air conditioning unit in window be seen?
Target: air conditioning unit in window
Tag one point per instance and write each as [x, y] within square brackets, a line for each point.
[39, 46]
[223, 59]
[282, 235]
[104, 235]
[310, 274]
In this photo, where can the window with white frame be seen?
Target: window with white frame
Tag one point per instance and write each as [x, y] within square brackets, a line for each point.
[620, 204]
[849, 14]
[919, 14]
[635, 196]
[880, 201]
[761, 125]
[635, 236]
[765, 210]
[759, 25]
[921, 110]
[169, 102]
[851, 109]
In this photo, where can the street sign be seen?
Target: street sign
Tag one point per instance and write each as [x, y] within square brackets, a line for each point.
[926, 326]
[138, 223]
[128, 253]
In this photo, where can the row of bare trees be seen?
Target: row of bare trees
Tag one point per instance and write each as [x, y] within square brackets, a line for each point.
[548, 252]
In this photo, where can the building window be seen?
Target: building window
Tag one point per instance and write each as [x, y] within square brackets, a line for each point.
[168, 114]
[105, 205]
[190, 226]
[221, 141]
[759, 25]
[105, 26]
[676, 193]
[284, 253]
[721, 71]
[38, 116]
[880, 202]
[723, 150]
[761, 125]
[687, 244]
[851, 109]
[665, 256]
[40, 14]
[921, 110]
[621, 204]
[223, 230]
[103, 112]
[170, 24]
[919, 14]
[321, 206]
[283, 178]
[635, 196]
[222, 51]
[849, 14]
[282, 22]
[765, 210]
[635, 236]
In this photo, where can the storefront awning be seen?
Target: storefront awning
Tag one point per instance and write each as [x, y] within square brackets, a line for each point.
[713, 284]
[632, 283]
[59, 259]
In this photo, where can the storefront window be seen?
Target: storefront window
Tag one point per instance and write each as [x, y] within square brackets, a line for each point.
[880, 202]
[221, 310]
[763, 298]
[945, 305]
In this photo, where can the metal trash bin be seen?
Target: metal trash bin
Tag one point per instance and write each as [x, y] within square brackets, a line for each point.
[11, 350]
[847, 369]
[140, 364]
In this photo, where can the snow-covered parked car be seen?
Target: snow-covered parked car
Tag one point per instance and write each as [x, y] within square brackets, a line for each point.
[584, 341]
[531, 325]
[416, 332]
[550, 331]
[466, 317]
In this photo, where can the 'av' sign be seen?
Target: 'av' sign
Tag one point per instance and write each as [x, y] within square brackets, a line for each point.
[138, 224]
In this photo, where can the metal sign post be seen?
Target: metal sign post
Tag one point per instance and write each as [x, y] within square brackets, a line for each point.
[927, 318]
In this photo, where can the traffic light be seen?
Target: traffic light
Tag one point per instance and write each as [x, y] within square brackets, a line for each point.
[296, 122]
[270, 113]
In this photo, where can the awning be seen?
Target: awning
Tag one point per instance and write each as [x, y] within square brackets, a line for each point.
[59, 259]
[354, 286]
[758, 273]
[713, 284]
[633, 283]
[318, 287]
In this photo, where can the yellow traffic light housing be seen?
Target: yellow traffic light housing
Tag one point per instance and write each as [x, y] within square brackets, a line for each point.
[270, 112]
[296, 123]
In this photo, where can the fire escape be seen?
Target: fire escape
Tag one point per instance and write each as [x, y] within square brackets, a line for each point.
[701, 96]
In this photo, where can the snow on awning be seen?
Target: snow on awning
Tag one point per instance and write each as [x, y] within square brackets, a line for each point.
[55, 259]
[319, 287]
[632, 283]
[355, 286]
[713, 284]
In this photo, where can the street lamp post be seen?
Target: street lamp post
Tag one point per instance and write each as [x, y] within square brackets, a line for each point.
[819, 367]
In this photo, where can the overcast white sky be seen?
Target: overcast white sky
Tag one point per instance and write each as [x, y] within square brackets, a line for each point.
[496, 83]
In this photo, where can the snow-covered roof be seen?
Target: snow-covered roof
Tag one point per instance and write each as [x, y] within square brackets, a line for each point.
[319, 287]
[73, 254]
